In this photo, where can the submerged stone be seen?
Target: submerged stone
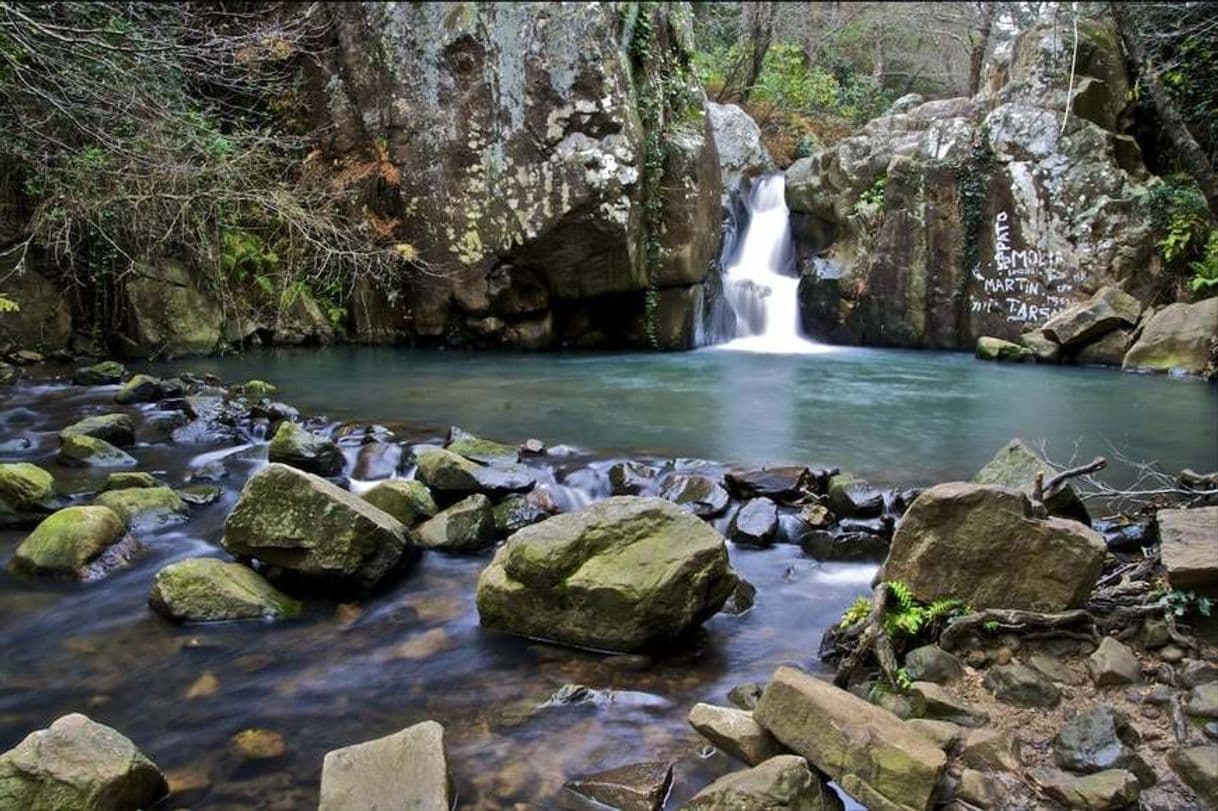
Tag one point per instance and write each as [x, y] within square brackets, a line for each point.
[633, 787]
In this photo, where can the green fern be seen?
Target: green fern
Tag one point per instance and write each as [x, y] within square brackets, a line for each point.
[856, 613]
[7, 305]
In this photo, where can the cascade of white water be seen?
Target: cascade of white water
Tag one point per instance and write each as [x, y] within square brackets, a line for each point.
[759, 285]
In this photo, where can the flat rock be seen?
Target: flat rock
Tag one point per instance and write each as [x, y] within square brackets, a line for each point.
[782, 484]
[1197, 767]
[944, 734]
[734, 732]
[212, 590]
[940, 704]
[81, 765]
[850, 497]
[467, 526]
[105, 373]
[755, 523]
[1022, 686]
[1189, 547]
[782, 783]
[701, 495]
[1113, 663]
[482, 451]
[405, 770]
[144, 507]
[79, 450]
[1102, 791]
[633, 787]
[454, 476]
[870, 752]
[990, 750]
[1110, 308]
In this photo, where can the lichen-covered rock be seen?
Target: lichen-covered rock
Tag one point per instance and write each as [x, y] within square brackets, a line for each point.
[1176, 339]
[1102, 791]
[407, 500]
[734, 732]
[139, 389]
[117, 429]
[408, 769]
[25, 489]
[956, 542]
[172, 311]
[306, 526]
[619, 575]
[81, 542]
[143, 507]
[873, 755]
[482, 451]
[467, 526]
[453, 475]
[212, 590]
[1109, 309]
[129, 479]
[79, 450]
[701, 495]
[81, 765]
[738, 142]
[100, 374]
[517, 512]
[1187, 548]
[295, 446]
[997, 349]
[1016, 465]
[782, 783]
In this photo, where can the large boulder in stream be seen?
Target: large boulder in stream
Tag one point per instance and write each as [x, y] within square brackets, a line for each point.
[1016, 466]
[1176, 339]
[79, 542]
[987, 546]
[873, 755]
[618, 575]
[738, 142]
[25, 490]
[117, 429]
[81, 765]
[313, 530]
[451, 475]
[212, 590]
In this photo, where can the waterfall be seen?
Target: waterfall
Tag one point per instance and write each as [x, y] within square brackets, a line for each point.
[759, 278]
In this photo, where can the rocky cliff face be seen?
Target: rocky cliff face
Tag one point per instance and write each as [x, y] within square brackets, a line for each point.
[947, 220]
[548, 163]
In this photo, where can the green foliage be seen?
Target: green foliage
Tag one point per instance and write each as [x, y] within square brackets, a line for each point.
[904, 681]
[871, 201]
[806, 146]
[1178, 603]
[857, 612]
[1188, 242]
[1205, 269]
[244, 256]
[7, 305]
[907, 618]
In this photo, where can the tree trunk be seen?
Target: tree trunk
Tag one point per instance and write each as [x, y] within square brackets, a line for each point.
[759, 23]
[976, 62]
[877, 41]
[1191, 155]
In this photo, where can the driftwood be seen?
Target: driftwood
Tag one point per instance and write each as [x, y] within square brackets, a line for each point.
[1042, 489]
[872, 641]
[1076, 623]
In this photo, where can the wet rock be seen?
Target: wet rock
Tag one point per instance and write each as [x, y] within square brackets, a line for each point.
[1097, 739]
[1106, 351]
[854, 498]
[87, 451]
[117, 429]
[939, 704]
[212, 590]
[482, 451]
[8, 373]
[377, 460]
[742, 598]
[634, 787]
[996, 349]
[785, 485]
[1101, 791]
[1113, 663]
[127, 480]
[1125, 536]
[453, 476]
[407, 500]
[755, 523]
[1022, 686]
[467, 526]
[991, 750]
[25, 490]
[81, 542]
[631, 478]
[517, 512]
[1016, 466]
[257, 744]
[1176, 339]
[845, 546]
[257, 389]
[817, 516]
[199, 494]
[617, 575]
[314, 530]
[1202, 701]
[81, 765]
[955, 542]
[145, 507]
[932, 663]
[293, 445]
[944, 734]
[1109, 309]
[871, 753]
[1197, 767]
[782, 783]
[408, 769]
[699, 494]
[533, 447]
[745, 696]
[734, 732]
[1043, 350]
[1187, 547]
[139, 389]
[105, 373]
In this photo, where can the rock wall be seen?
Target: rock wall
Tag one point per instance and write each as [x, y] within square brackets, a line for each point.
[946, 220]
[525, 142]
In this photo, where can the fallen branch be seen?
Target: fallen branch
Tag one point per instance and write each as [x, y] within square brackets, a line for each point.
[1042, 490]
[1067, 623]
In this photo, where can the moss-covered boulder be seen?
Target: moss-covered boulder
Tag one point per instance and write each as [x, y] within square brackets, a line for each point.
[451, 475]
[782, 782]
[314, 530]
[129, 479]
[1176, 339]
[105, 373]
[139, 389]
[144, 507]
[620, 574]
[81, 542]
[1016, 466]
[987, 546]
[483, 451]
[467, 526]
[999, 350]
[87, 451]
[407, 500]
[293, 445]
[258, 389]
[211, 590]
[25, 488]
[117, 429]
[80, 765]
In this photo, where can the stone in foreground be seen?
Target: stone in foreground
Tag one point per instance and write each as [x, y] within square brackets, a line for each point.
[405, 770]
[618, 575]
[81, 542]
[755, 523]
[212, 590]
[734, 732]
[293, 445]
[1113, 663]
[1189, 548]
[983, 544]
[1197, 766]
[873, 755]
[312, 529]
[25, 488]
[80, 765]
[634, 787]
[782, 783]
[1102, 791]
